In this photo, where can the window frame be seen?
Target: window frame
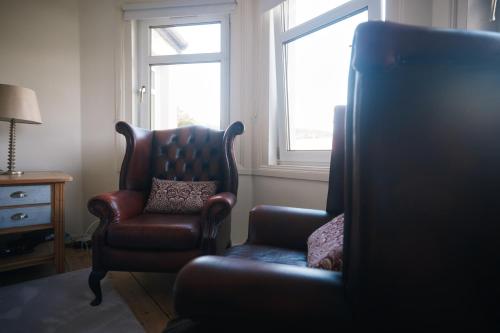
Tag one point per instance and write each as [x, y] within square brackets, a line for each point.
[145, 60]
[281, 38]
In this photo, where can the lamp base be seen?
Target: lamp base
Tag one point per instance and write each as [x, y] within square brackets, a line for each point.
[12, 173]
[11, 160]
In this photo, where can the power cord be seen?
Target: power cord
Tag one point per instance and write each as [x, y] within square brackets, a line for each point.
[83, 241]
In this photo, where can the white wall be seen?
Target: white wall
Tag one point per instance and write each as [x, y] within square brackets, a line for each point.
[40, 49]
[99, 26]
[290, 192]
[411, 11]
[479, 12]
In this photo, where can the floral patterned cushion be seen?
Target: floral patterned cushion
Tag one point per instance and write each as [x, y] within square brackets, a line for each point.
[168, 196]
[325, 245]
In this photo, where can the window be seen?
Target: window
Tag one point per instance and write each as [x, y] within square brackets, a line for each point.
[183, 75]
[313, 50]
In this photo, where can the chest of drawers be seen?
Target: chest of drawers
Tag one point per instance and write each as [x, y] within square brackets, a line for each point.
[29, 202]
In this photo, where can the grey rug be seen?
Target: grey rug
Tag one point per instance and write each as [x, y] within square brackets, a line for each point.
[60, 303]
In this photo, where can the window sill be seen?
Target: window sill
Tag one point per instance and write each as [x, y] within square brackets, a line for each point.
[313, 173]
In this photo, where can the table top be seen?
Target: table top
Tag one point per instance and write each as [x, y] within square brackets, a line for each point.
[35, 177]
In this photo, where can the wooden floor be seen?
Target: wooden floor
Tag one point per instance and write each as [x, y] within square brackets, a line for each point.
[149, 295]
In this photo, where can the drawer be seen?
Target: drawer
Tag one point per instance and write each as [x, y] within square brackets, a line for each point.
[23, 216]
[24, 195]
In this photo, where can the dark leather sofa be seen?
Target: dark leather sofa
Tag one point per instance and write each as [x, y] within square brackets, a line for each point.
[229, 289]
[422, 205]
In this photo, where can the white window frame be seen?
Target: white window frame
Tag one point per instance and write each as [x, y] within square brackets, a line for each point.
[307, 157]
[145, 60]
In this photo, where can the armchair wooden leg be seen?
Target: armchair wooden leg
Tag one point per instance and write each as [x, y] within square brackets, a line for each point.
[95, 278]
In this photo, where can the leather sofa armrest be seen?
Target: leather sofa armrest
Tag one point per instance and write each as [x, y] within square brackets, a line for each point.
[286, 227]
[116, 206]
[212, 286]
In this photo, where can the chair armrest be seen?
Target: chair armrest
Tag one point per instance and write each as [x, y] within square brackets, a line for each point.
[213, 286]
[219, 206]
[216, 209]
[286, 227]
[116, 206]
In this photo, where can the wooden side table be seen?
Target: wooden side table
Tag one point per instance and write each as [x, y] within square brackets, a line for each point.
[29, 202]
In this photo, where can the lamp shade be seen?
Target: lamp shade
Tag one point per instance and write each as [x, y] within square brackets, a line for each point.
[19, 104]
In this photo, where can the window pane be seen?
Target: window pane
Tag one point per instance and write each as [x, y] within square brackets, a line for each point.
[186, 39]
[317, 69]
[185, 94]
[300, 11]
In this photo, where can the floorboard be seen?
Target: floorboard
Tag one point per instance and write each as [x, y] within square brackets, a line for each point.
[76, 259]
[159, 286]
[144, 307]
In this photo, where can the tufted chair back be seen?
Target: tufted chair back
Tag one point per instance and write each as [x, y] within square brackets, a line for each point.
[191, 153]
[131, 239]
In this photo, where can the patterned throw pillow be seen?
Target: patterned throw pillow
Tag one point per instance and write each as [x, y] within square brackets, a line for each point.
[168, 196]
[325, 245]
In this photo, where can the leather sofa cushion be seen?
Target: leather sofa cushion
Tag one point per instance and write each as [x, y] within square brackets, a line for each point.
[156, 232]
[179, 197]
[267, 254]
[325, 245]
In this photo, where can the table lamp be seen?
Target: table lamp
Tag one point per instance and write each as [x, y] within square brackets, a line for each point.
[17, 105]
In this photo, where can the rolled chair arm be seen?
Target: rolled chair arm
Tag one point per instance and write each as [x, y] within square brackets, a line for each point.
[219, 206]
[216, 210]
[212, 286]
[286, 227]
[116, 206]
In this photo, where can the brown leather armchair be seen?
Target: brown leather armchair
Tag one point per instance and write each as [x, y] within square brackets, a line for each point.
[128, 239]
[422, 204]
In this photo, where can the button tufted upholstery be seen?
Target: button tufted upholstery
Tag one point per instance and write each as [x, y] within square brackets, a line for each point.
[188, 154]
[192, 153]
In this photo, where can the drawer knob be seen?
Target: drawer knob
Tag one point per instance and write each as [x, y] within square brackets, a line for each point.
[19, 194]
[19, 216]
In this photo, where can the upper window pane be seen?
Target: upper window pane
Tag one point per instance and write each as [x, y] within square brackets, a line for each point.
[300, 11]
[186, 39]
[186, 94]
[317, 70]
